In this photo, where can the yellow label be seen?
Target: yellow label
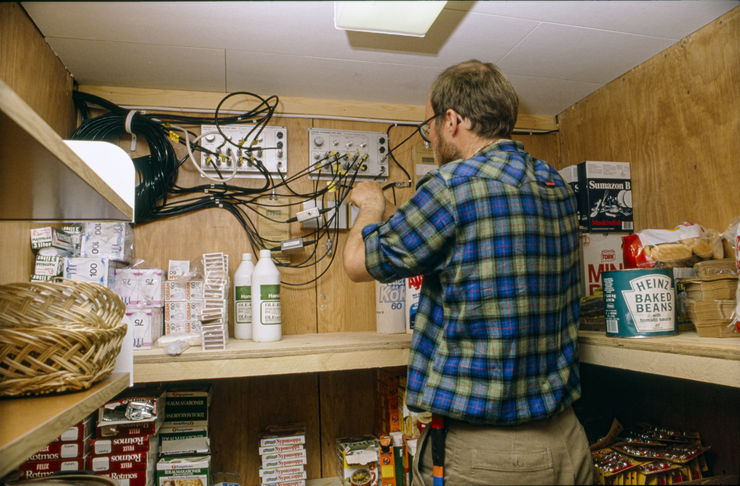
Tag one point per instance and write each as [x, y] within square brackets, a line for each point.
[174, 137]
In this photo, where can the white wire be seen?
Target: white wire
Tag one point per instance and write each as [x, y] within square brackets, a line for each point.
[195, 163]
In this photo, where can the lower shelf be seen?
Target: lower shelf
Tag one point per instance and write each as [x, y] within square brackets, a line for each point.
[28, 424]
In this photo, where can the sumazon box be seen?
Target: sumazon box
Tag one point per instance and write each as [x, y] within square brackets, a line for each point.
[604, 196]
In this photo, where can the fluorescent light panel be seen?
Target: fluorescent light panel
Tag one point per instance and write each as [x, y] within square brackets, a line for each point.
[387, 17]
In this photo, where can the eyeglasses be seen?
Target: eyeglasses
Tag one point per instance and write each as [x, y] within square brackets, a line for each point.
[425, 129]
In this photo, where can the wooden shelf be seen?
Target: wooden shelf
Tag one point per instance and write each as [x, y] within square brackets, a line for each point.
[687, 356]
[28, 424]
[42, 178]
[298, 353]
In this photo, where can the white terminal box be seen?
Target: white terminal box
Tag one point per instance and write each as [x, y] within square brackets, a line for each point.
[601, 252]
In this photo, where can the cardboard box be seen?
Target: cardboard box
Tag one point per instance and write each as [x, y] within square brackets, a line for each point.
[191, 446]
[80, 431]
[49, 236]
[37, 469]
[357, 460]
[126, 461]
[600, 252]
[194, 468]
[131, 478]
[413, 292]
[570, 177]
[62, 450]
[605, 196]
[119, 445]
[187, 406]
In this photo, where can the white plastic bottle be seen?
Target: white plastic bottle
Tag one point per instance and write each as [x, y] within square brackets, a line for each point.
[243, 298]
[266, 322]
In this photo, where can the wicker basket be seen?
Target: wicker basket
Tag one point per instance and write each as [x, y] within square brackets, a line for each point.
[57, 336]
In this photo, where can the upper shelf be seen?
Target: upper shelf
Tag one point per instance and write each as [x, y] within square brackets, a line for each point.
[296, 353]
[687, 356]
[44, 178]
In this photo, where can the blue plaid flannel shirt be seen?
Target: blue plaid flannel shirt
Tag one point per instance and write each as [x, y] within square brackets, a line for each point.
[496, 239]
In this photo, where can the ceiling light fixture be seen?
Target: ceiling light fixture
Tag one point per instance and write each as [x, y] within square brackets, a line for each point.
[387, 17]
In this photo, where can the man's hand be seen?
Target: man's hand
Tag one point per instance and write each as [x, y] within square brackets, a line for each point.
[368, 196]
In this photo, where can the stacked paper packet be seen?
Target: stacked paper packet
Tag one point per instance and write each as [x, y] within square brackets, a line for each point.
[126, 445]
[142, 290]
[183, 301]
[215, 317]
[68, 452]
[103, 247]
[282, 451]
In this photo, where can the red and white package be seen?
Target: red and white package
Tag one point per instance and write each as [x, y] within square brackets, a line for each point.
[141, 477]
[61, 450]
[37, 469]
[131, 461]
[118, 445]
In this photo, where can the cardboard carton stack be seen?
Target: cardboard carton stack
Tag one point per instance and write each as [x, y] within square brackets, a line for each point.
[184, 443]
[126, 443]
[282, 451]
[142, 290]
[387, 405]
[68, 452]
[183, 301]
[185, 427]
[711, 304]
[104, 246]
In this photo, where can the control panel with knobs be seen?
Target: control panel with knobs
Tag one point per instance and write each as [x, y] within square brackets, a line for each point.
[347, 152]
[245, 149]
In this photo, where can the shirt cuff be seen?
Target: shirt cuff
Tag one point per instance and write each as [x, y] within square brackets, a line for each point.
[373, 265]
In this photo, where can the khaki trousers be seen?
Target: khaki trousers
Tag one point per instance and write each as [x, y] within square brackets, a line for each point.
[551, 451]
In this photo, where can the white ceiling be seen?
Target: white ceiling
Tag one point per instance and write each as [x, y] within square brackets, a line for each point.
[555, 53]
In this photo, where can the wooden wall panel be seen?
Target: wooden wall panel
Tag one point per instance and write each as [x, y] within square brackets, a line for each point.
[675, 119]
[543, 146]
[32, 70]
[242, 408]
[348, 407]
[15, 248]
[188, 236]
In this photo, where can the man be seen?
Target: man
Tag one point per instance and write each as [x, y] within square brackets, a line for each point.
[494, 233]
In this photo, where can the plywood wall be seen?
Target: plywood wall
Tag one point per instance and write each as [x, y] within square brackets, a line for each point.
[675, 119]
[32, 70]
